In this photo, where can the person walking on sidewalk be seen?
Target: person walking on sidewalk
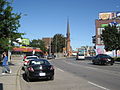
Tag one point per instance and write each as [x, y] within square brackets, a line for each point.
[5, 66]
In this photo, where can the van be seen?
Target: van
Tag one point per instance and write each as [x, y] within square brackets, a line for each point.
[80, 56]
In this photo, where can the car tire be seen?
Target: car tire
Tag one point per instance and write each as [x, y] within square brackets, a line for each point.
[111, 64]
[29, 80]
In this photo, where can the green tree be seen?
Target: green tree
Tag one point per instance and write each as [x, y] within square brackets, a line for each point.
[9, 23]
[58, 43]
[38, 44]
[111, 38]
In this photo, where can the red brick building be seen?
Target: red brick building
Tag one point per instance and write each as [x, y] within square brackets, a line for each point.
[68, 46]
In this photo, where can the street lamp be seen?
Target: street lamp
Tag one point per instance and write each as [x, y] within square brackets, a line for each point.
[56, 46]
[50, 46]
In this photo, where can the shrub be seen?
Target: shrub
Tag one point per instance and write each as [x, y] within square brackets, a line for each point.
[117, 58]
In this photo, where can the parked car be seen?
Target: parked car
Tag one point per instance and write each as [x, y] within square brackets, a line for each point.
[39, 69]
[80, 56]
[27, 58]
[103, 59]
[51, 57]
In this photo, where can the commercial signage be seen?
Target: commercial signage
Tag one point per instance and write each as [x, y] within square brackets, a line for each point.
[111, 23]
[100, 49]
[104, 25]
[117, 14]
[105, 16]
[25, 41]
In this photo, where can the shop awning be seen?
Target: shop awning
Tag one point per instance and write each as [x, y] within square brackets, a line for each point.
[26, 49]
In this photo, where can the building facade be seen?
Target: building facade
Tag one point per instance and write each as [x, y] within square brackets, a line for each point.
[47, 41]
[105, 19]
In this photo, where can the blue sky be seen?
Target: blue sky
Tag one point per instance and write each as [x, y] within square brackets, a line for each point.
[45, 18]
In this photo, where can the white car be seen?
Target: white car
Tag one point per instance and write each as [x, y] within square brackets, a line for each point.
[80, 56]
[27, 58]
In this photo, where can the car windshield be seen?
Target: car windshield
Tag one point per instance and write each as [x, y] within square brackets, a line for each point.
[80, 54]
[39, 62]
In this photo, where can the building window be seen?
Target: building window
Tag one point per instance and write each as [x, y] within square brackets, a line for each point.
[99, 41]
[99, 31]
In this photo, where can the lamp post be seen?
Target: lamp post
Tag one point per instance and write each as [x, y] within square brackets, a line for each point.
[50, 46]
[56, 46]
[65, 48]
[9, 52]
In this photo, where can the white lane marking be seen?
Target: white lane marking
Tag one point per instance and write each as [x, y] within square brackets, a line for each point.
[91, 68]
[98, 85]
[60, 69]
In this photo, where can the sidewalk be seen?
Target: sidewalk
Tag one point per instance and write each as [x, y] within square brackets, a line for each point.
[10, 81]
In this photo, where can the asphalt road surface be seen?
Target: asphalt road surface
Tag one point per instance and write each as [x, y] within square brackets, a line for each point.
[77, 75]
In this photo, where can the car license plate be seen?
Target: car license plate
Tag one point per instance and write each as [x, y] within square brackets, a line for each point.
[42, 74]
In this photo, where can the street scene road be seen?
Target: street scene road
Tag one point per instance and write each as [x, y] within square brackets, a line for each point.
[70, 74]
[59, 45]
[106, 77]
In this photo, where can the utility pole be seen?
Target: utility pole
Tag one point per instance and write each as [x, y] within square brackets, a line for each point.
[50, 46]
[9, 52]
[65, 48]
[56, 46]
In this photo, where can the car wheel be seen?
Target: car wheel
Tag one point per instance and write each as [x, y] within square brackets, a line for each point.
[111, 64]
[28, 79]
[94, 63]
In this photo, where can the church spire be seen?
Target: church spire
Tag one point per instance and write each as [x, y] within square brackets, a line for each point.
[68, 28]
[68, 47]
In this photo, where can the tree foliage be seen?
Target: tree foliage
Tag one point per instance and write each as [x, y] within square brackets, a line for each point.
[58, 43]
[38, 44]
[9, 23]
[111, 38]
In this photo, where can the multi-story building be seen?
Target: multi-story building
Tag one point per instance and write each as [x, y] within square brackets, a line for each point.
[105, 18]
[47, 41]
[87, 50]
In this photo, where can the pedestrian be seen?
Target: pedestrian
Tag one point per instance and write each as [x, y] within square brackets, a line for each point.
[5, 66]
